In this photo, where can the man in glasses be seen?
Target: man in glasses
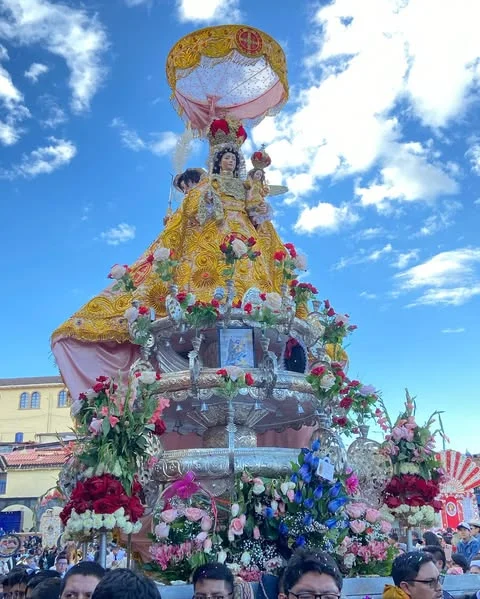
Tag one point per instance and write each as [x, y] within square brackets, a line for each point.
[311, 574]
[212, 581]
[415, 576]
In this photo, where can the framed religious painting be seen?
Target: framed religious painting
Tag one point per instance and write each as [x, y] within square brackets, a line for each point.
[236, 347]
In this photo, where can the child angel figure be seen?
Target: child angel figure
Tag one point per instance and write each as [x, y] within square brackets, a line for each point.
[258, 209]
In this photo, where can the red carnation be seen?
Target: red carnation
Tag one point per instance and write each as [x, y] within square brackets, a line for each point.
[251, 241]
[346, 403]
[249, 379]
[279, 255]
[215, 303]
[106, 505]
[143, 310]
[219, 125]
[241, 133]
[98, 387]
[248, 308]
[331, 312]
[135, 509]
[293, 283]
[222, 372]
[393, 502]
[340, 420]
[160, 427]
[263, 296]
[182, 296]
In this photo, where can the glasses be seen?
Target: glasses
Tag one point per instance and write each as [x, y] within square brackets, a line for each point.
[311, 595]
[433, 583]
[212, 596]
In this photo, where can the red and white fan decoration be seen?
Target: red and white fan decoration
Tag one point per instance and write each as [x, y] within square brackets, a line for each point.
[462, 476]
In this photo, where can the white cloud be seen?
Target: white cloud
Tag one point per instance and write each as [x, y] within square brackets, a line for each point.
[367, 295]
[362, 256]
[70, 33]
[43, 160]
[52, 115]
[450, 278]
[459, 330]
[325, 218]
[370, 233]
[403, 259]
[159, 144]
[11, 99]
[441, 219]
[377, 254]
[208, 10]
[35, 70]
[473, 154]
[119, 234]
[477, 202]
[131, 3]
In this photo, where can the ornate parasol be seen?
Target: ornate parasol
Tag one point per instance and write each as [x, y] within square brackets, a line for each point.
[227, 71]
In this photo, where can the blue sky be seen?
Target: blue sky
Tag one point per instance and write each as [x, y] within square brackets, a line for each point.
[379, 146]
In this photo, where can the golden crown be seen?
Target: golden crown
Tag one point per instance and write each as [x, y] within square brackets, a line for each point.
[222, 131]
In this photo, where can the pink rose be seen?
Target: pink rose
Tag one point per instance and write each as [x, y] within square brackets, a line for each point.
[237, 525]
[113, 421]
[194, 514]
[206, 523]
[372, 515]
[201, 536]
[355, 510]
[256, 532]
[385, 526]
[96, 426]
[207, 545]
[291, 494]
[169, 516]
[162, 530]
[358, 526]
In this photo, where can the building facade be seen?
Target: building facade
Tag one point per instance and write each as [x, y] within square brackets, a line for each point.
[34, 409]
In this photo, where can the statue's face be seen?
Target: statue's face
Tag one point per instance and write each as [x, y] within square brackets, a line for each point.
[228, 162]
[257, 175]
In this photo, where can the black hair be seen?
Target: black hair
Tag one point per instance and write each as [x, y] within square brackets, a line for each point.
[83, 569]
[310, 560]
[61, 555]
[430, 538]
[125, 584]
[49, 588]
[393, 536]
[405, 567]
[462, 561]
[218, 159]
[437, 552]
[39, 576]
[213, 571]
[16, 576]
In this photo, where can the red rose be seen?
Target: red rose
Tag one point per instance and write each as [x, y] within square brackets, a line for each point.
[251, 241]
[222, 372]
[241, 133]
[160, 427]
[223, 247]
[66, 513]
[393, 502]
[150, 258]
[182, 296]
[279, 255]
[291, 250]
[318, 371]
[293, 283]
[327, 304]
[98, 387]
[136, 487]
[215, 303]
[354, 383]
[106, 505]
[143, 310]
[135, 509]
[263, 296]
[248, 308]
[249, 379]
[340, 420]
[331, 312]
[346, 403]
[79, 492]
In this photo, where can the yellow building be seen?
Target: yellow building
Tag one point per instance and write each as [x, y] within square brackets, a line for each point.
[33, 409]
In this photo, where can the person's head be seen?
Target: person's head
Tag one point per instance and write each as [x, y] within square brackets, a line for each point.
[81, 580]
[417, 575]
[310, 573]
[475, 525]
[15, 584]
[464, 531]
[462, 561]
[256, 174]
[430, 538]
[226, 160]
[38, 577]
[61, 563]
[49, 588]
[475, 565]
[393, 538]
[188, 179]
[438, 555]
[213, 580]
[125, 584]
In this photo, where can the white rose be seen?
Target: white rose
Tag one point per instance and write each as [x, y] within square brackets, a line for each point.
[109, 522]
[235, 509]
[239, 248]
[117, 272]
[127, 528]
[161, 254]
[148, 377]
[327, 381]
[91, 394]
[246, 558]
[349, 560]
[343, 318]
[234, 372]
[284, 488]
[273, 301]
[131, 314]
[300, 262]
[222, 556]
[76, 407]
[258, 488]
[162, 530]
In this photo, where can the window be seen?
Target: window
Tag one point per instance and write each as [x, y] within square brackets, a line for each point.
[24, 401]
[35, 403]
[18, 437]
[62, 399]
[3, 483]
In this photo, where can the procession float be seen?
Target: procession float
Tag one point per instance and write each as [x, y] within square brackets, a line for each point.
[210, 382]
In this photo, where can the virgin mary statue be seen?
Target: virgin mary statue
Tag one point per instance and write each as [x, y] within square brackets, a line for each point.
[95, 340]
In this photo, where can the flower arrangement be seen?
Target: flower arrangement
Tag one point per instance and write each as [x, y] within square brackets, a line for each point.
[288, 260]
[122, 275]
[336, 325]
[102, 502]
[234, 249]
[163, 263]
[302, 293]
[326, 382]
[357, 403]
[365, 551]
[268, 312]
[417, 469]
[202, 315]
[234, 378]
[140, 323]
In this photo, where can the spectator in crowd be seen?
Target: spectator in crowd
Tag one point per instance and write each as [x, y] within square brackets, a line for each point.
[475, 524]
[461, 562]
[212, 580]
[475, 565]
[311, 574]
[415, 576]
[430, 538]
[35, 579]
[49, 588]
[125, 584]
[438, 556]
[15, 584]
[468, 546]
[81, 580]
[61, 564]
